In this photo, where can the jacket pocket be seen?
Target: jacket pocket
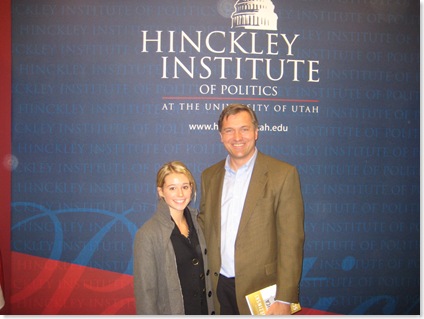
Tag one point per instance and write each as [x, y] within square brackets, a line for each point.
[271, 268]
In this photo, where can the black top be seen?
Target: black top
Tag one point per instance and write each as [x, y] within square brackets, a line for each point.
[190, 269]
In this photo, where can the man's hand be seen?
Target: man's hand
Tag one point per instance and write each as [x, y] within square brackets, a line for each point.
[279, 308]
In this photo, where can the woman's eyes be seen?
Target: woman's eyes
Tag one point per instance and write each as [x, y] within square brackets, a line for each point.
[185, 187]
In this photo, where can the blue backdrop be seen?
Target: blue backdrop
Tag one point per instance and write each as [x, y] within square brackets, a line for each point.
[105, 92]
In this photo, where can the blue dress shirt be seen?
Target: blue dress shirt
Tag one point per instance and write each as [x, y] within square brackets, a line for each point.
[234, 193]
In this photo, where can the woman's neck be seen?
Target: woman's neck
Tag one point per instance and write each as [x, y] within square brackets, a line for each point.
[181, 222]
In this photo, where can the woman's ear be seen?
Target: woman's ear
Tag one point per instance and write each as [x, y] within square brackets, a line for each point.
[160, 192]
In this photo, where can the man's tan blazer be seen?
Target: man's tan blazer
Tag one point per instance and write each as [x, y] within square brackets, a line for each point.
[269, 243]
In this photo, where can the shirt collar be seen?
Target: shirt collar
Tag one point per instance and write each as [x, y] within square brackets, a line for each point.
[248, 166]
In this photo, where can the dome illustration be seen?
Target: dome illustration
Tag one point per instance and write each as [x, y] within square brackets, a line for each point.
[254, 14]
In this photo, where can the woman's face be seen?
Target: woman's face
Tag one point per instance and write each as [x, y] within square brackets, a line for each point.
[176, 191]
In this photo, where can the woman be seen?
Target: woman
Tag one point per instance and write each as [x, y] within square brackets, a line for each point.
[170, 264]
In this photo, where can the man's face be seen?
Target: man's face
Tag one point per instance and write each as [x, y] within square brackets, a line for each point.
[239, 135]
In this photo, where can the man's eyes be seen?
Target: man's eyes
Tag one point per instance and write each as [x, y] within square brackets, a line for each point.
[231, 131]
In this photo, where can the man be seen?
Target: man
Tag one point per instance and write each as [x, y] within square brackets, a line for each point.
[251, 212]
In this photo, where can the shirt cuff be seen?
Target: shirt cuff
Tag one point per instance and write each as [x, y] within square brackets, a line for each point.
[285, 302]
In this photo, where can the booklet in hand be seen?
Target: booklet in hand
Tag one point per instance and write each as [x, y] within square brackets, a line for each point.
[259, 301]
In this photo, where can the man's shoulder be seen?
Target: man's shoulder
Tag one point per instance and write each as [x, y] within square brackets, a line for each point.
[273, 163]
[213, 169]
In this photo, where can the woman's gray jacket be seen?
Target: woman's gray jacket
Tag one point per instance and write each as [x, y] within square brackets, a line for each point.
[157, 287]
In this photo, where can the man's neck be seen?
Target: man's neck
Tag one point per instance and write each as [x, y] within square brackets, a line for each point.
[235, 163]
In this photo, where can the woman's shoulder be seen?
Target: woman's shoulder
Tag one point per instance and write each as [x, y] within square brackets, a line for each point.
[146, 228]
[151, 227]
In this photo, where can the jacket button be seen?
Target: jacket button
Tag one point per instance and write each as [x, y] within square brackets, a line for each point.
[206, 251]
[215, 274]
[207, 272]
[209, 293]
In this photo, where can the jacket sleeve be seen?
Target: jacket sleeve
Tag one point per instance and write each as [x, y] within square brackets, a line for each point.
[290, 230]
[145, 274]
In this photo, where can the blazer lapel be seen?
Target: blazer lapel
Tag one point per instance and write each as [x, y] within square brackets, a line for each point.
[254, 192]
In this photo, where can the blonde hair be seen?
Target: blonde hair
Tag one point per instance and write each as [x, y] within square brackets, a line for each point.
[178, 168]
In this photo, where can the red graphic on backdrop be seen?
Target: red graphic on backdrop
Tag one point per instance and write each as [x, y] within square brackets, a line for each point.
[49, 287]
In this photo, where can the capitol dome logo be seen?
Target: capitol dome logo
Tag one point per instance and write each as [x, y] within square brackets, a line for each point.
[254, 14]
